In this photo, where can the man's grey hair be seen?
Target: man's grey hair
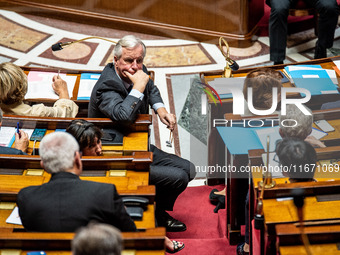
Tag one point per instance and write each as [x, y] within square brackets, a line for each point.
[57, 151]
[295, 116]
[130, 42]
[1, 115]
[97, 239]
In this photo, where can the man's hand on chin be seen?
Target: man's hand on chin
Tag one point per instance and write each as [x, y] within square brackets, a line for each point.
[139, 80]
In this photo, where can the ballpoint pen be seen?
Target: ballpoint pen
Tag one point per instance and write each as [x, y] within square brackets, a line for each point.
[18, 129]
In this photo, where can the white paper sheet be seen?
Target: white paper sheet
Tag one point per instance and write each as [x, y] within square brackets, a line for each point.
[40, 85]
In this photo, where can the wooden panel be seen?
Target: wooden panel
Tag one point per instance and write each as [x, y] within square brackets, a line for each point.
[289, 234]
[201, 20]
[147, 222]
[152, 239]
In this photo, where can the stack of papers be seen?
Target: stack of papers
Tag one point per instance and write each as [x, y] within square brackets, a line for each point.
[314, 78]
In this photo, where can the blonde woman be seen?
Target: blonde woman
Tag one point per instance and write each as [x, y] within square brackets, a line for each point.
[13, 88]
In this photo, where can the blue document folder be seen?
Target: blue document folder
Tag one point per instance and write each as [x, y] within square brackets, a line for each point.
[239, 140]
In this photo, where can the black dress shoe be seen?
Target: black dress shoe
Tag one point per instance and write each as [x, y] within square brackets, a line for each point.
[278, 62]
[171, 224]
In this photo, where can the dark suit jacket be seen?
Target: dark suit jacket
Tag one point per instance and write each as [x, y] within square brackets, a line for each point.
[66, 203]
[7, 150]
[110, 99]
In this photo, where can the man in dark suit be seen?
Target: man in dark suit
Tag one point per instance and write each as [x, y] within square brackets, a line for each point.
[21, 143]
[125, 90]
[66, 203]
[328, 12]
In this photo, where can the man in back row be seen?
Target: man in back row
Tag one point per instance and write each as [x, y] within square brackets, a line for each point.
[125, 90]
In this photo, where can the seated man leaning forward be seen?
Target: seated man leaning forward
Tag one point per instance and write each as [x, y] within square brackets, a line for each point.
[125, 90]
[66, 202]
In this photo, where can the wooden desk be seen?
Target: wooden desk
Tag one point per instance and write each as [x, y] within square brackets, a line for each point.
[316, 249]
[280, 212]
[136, 136]
[128, 173]
[216, 148]
[289, 234]
[236, 187]
[147, 222]
[150, 241]
[83, 104]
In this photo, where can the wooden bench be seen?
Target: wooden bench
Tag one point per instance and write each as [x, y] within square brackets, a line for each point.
[150, 241]
[136, 136]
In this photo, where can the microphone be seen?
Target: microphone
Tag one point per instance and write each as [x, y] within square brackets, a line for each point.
[232, 64]
[61, 45]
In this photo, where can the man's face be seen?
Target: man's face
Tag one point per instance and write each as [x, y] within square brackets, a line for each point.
[131, 61]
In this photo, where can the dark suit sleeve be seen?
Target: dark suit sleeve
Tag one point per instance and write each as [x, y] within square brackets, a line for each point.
[11, 151]
[154, 94]
[21, 207]
[115, 107]
[123, 220]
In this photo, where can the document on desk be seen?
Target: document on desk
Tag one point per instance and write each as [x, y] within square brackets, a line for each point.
[232, 137]
[14, 218]
[40, 84]
[7, 136]
[86, 84]
[315, 79]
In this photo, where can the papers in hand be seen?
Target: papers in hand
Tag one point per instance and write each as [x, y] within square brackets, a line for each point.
[14, 218]
[40, 84]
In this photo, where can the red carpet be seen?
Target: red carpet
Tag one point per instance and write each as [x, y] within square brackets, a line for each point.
[205, 234]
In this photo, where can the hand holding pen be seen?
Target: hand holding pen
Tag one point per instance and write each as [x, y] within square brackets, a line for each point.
[21, 139]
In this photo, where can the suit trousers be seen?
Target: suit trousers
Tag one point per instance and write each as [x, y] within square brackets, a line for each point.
[328, 18]
[170, 174]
